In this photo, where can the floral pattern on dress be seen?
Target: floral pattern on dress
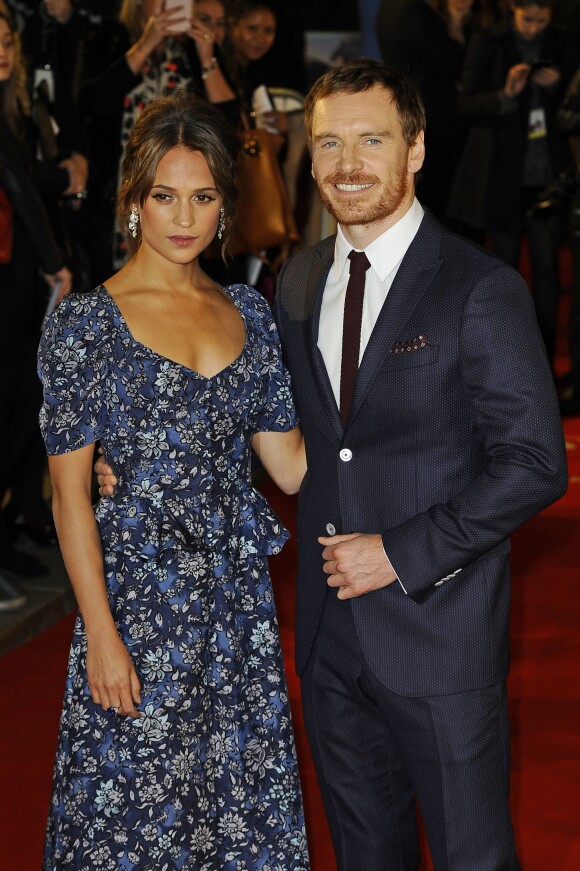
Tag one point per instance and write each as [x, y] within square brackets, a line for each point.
[207, 778]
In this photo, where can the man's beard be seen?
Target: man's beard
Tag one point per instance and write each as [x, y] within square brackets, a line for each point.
[357, 212]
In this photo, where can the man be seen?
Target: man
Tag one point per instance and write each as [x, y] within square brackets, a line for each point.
[419, 466]
[451, 440]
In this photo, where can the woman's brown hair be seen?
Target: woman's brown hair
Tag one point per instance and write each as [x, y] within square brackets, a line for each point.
[14, 100]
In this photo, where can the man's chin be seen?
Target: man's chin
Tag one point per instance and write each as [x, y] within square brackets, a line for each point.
[352, 216]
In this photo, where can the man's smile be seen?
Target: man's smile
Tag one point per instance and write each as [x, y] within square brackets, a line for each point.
[348, 188]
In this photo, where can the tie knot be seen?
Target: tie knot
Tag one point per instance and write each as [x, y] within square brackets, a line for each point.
[358, 262]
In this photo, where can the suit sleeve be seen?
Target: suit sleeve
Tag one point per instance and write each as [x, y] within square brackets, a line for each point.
[507, 379]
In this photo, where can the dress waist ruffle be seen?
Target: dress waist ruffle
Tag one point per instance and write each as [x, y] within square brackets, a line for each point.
[239, 523]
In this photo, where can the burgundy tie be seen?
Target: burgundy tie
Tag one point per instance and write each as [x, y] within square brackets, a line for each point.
[351, 327]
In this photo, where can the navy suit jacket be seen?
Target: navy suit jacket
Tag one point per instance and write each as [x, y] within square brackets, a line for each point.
[454, 439]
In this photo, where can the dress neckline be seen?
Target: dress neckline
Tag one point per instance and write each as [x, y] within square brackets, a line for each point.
[163, 357]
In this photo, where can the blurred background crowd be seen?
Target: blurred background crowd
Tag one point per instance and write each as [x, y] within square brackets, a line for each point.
[501, 84]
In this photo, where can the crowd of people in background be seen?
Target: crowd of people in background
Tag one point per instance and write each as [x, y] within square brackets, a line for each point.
[500, 80]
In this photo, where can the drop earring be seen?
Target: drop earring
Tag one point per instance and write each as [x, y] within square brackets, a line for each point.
[133, 221]
[222, 223]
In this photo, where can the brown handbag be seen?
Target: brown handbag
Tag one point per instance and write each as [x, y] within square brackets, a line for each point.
[5, 227]
[264, 216]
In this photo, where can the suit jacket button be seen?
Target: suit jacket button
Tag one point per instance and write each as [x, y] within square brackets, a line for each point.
[345, 455]
[330, 529]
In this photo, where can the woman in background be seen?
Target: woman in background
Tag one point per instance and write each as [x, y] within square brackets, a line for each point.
[213, 15]
[24, 298]
[251, 35]
[176, 747]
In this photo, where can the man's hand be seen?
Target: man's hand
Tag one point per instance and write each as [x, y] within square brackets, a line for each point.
[356, 564]
[105, 476]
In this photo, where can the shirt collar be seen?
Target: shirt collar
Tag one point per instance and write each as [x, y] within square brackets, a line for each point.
[386, 250]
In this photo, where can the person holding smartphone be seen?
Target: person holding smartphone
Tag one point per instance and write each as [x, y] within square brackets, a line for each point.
[513, 80]
[149, 50]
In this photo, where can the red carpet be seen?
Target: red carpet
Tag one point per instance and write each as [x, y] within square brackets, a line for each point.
[544, 682]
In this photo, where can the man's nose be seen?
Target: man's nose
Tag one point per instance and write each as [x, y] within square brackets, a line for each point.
[350, 159]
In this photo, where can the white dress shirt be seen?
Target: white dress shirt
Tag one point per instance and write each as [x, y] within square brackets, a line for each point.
[384, 255]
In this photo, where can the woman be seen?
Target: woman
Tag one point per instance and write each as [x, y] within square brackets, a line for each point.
[34, 250]
[122, 67]
[176, 747]
[251, 35]
[212, 14]
[514, 76]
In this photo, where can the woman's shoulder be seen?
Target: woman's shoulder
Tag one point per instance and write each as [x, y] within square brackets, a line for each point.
[250, 301]
[88, 317]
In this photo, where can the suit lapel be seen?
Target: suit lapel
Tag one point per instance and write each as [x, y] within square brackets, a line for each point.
[320, 268]
[416, 272]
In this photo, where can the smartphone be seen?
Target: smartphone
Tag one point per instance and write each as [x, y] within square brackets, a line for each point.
[186, 11]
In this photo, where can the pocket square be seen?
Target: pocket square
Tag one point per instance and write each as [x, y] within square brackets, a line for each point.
[416, 344]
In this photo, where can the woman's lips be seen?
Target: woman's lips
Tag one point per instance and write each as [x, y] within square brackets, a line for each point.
[181, 241]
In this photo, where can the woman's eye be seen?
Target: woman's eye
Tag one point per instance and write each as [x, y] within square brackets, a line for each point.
[161, 198]
[204, 198]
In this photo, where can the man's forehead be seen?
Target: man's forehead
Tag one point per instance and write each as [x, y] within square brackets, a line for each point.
[346, 107]
[378, 96]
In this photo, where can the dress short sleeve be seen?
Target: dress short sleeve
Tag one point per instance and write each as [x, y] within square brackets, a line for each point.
[277, 412]
[72, 365]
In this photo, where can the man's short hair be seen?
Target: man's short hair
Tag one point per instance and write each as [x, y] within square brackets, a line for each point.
[361, 75]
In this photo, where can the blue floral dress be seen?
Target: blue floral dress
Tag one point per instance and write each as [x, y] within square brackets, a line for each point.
[207, 778]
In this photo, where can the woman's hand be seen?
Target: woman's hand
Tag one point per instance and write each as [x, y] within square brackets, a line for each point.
[111, 675]
[63, 275]
[159, 26]
[516, 79]
[274, 121]
[204, 39]
[77, 167]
